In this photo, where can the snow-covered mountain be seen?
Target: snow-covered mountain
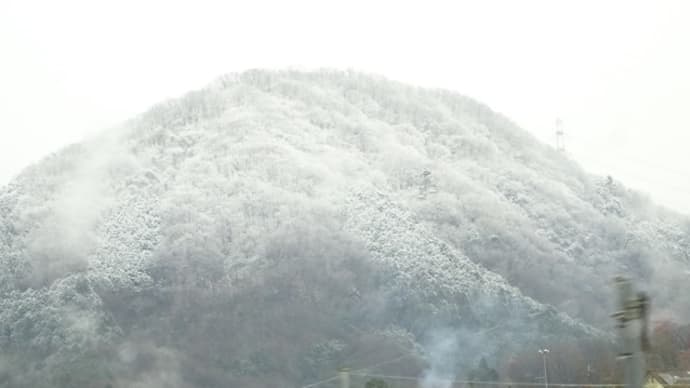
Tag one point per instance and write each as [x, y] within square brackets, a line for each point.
[276, 225]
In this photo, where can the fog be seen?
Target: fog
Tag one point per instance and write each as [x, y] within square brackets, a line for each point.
[271, 226]
[239, 234]
[615, 73]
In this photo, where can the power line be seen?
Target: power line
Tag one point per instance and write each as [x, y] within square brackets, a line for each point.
[382, 363]
[407, 352]
[656, 182]
[355, 372]
[628, 158]
[392, 377]
[315, 384]
[666, 185]
[494, 383]
[634, 159]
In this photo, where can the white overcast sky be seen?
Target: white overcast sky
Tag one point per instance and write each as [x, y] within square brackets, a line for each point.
[616, 72]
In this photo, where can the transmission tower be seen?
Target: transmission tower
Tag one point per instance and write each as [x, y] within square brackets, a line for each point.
[560, 141]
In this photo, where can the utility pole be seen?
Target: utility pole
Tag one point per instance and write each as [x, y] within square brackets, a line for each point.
[543, 353]
[632, 318]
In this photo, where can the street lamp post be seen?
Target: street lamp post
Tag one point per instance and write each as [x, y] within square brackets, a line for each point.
[543, 353]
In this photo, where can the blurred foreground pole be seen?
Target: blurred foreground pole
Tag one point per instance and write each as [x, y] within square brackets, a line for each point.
[344, 374]
[632, 321]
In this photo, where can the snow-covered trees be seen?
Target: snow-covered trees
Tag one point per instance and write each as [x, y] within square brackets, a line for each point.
[245, 228]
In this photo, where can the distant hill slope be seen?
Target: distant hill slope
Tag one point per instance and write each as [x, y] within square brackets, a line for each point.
[276, 225]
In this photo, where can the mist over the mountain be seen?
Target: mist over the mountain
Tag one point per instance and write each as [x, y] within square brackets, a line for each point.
[275, 226]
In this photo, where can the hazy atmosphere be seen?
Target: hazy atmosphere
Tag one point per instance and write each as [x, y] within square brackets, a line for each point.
[356, 195]
[614, 72]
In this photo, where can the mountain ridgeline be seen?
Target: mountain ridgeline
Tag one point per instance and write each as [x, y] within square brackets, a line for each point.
[274, 226]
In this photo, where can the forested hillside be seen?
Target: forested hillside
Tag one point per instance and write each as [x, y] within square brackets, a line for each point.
[275, 226]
